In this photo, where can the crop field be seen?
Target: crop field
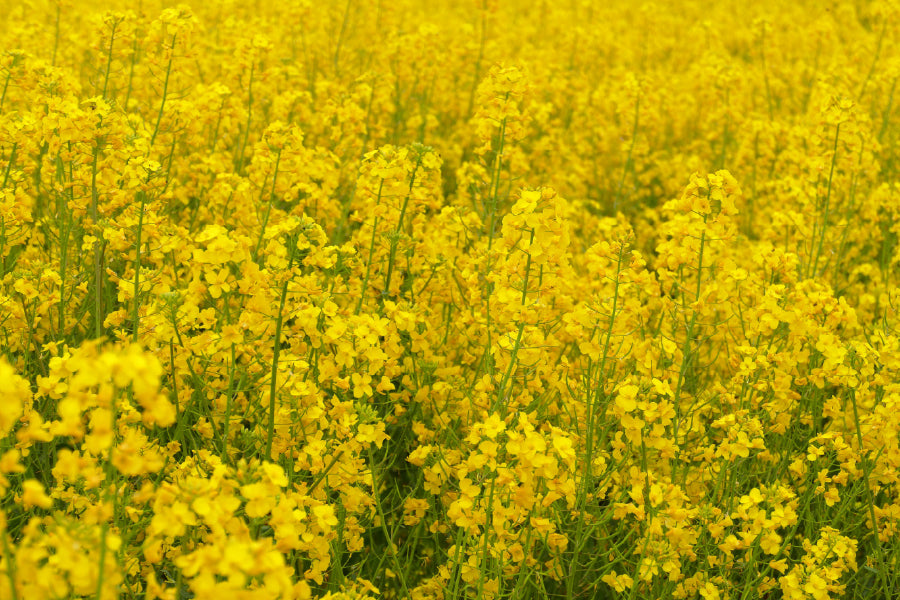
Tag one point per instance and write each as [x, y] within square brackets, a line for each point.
[445, 300]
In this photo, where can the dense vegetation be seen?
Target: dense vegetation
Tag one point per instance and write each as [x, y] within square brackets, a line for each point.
[479, 300]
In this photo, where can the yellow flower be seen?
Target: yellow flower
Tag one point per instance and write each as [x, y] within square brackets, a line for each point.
[33, 494]
[15, 392]
[626, 398]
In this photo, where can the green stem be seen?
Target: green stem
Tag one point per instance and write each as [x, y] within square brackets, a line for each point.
[109, 55]
[265, 222]
[489, 513]
[686, 352]
[340, 40]
[56, 37]
[276, 351]
[11, 565]
[862, 90]
[66, 228]
[396, 238]
[628, 159]
[365, 284]
[134, 53]
[239, 164]
[229, 399]
[5, 87]
[495, 182]
[870, 501]
[98, 257]
[162, 104]
[136, 305]
[388, 538]
[110, 475]
[478, 60]
[762, 53]
[815, 265]
[588, 472]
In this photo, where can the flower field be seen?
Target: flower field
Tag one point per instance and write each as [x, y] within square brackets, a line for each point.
[488, 299]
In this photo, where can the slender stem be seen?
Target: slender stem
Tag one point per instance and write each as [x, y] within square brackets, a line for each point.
[109, 55]
[488, 518]
[162, 104]
[11, 565]
[365, 284]
[276, 351]
[862, 90]
[882, 571]
[135, 314]
[239, 164]
[815, 265]
[98, 251]
[762, 53]
[56, 37]
[5, 87]
[495, 183]
[383, 518]
[588, 478]
[628, 159]
[340, 40]
[885, 119]
[396, 238]
[9, 165]
[110, 475]
[478, 60]
[265, 222]
[229, 400]
[134, 53]
[66, 228]
[686, 353]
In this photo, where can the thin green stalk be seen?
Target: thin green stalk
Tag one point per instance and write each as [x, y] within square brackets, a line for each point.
[265, 222]
[686, 354]
[66, 227]
[365, 283]
[340, 40]
[239, 163]
[815, 265]
[324, 473]
[9, 165]
[134, 53]
[487, 290]
[276, 351]
[136, 305]
[110, 475]
[484, 548]
[495, 182]
[628, 159]
[886, 117]
[229, 400]
[509, 369]
[762, 53]
[388, 538]
[870, 501]
[109, 55]
[588, 477]
[862, 90]
[98, 257]
[11, 565]
[5, 87]
[165, 91]
[396, 237]
[481, 44]
[56, 36]
[456, 562]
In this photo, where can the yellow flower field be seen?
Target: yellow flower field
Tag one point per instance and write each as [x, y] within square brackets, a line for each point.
[489, 299]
